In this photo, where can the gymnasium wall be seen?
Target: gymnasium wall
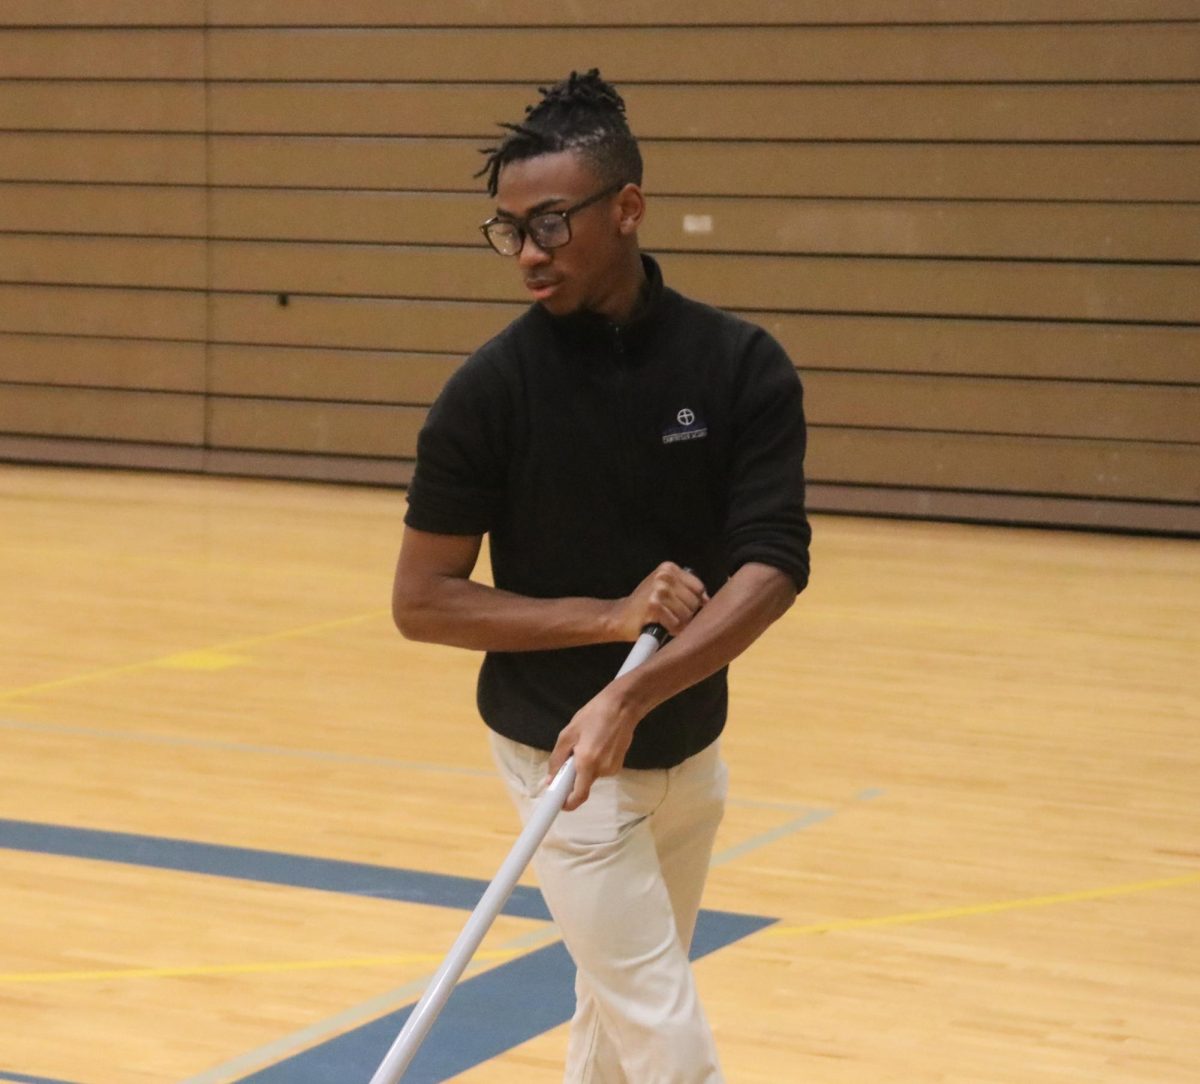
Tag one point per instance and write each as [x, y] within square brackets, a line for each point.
[240, 236]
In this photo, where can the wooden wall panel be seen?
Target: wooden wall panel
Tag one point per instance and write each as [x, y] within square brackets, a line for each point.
[1036, 408]
[1073, 291]
[102, 363]
[118, 454]
[370, 376]
[1026, 465]
[877, 171]
[1034, 348]
[314, 427]
[782, 54]
[886, 169]
[102, 261]
[1068, 291]
[114, 313]
[134, 210]
[343, 163]
[357, 323]
[32, 105]
[815, 341]
[245, 230]
[1145, 412]
[977, 228]
[101, 54]
[975, 506]
[104, 157]
[654, 13]
[116, 374]
[304, 466]
[102, 413]
[106, 13]
[1134, 112]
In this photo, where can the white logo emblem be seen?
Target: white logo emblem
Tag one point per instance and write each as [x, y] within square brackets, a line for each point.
[689, 427]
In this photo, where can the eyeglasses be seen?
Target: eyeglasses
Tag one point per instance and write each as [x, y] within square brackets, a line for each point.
[549, 229]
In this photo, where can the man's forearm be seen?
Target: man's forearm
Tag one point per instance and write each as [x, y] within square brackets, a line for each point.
[464, 613]
[434, 599]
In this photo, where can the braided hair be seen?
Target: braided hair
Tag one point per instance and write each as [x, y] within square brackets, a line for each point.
[583, 113]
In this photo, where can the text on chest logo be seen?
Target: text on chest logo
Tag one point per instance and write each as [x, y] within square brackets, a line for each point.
[688, 427]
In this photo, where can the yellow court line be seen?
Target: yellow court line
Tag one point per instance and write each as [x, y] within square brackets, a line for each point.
[353, 962]
[981, 908]
[40, 977]
[229, 646]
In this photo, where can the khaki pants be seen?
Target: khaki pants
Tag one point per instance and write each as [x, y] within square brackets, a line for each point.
[623, 876]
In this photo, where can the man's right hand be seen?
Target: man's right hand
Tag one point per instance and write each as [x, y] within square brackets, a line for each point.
[670, 596]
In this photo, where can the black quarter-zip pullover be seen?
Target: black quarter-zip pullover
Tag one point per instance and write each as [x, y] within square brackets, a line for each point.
[589, 453]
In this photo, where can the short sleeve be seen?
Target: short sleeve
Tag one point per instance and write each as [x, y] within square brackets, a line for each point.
[462, 453]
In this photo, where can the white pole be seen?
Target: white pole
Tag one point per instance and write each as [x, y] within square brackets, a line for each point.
[417, 1026]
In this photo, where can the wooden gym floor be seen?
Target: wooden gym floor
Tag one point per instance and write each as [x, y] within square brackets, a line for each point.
[241, 819]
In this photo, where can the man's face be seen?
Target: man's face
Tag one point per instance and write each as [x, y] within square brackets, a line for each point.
[585, 272]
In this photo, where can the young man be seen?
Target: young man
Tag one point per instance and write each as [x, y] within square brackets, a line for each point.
[633, 457]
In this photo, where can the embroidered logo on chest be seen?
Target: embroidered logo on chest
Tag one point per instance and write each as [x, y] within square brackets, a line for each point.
[686, 425]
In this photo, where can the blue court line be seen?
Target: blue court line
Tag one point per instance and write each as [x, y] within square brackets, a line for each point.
[269, 867]
[24, 1078]
[484, 1017]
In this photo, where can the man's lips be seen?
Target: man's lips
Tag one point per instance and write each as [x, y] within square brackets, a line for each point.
[542, 287]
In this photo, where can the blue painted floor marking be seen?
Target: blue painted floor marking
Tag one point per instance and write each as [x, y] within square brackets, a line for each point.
[270, 867]
[7, 1077]
[485, 1016]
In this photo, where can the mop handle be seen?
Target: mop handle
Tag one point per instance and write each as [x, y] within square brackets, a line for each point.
[421, 1019]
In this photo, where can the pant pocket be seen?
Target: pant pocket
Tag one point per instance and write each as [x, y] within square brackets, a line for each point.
[522, 767]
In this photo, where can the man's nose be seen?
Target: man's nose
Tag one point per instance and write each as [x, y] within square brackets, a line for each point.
[530, 255]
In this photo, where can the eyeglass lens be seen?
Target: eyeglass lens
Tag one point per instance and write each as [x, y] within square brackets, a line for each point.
[547, 231]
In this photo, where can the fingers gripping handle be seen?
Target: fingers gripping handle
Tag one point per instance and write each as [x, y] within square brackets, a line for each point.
[652, 637]
[421, 1019]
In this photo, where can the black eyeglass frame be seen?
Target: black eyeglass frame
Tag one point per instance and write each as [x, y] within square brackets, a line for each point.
[523, 226]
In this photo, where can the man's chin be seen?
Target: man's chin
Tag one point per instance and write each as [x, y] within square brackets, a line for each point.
[557, 305]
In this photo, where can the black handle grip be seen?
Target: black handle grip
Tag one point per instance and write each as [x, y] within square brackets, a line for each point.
[657, 631]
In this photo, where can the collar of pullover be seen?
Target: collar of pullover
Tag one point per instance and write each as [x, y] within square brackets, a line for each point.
[593, 329]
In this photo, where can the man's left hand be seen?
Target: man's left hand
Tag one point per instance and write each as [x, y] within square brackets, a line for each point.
[598, 737]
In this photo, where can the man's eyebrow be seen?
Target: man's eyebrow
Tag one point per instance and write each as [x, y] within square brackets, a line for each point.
[545, 205]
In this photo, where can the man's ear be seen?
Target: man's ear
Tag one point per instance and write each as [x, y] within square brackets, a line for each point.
[631, 209]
